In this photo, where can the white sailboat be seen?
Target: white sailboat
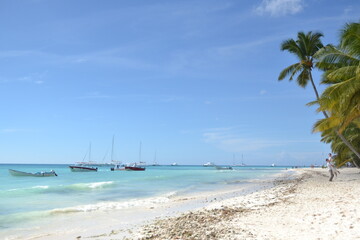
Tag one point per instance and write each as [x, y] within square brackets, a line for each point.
[242, 164]
[117, 164]
[82, 166]
[155, 163]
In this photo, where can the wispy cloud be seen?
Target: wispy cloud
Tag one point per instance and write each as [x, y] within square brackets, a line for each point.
[276, 8]
[149, 98]
[234, 48]
[229, 139]
[35, 78]
[14, 130]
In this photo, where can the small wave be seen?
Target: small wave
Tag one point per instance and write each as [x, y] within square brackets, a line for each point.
[106, 206]
[40, 187]
[23, 191]
[87, 186]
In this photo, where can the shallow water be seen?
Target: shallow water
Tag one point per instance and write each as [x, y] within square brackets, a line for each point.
[27, 199]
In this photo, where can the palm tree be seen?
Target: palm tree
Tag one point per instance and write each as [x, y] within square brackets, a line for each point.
[342, 70]
[329, 135]
[304, 48]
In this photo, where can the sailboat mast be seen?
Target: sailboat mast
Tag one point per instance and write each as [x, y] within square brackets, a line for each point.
[90, 152]
[112, 149]
[140, 153]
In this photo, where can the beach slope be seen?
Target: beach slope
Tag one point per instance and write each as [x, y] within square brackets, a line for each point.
[305, 206]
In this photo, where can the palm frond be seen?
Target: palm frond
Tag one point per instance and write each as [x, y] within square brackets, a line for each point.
[290, 70]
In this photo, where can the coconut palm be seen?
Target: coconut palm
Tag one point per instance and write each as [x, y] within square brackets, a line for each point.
[304, 48]
[342, 65]
[344, 153]
[342, 70]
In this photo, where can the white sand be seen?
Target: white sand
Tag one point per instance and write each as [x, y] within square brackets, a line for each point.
[310, 207]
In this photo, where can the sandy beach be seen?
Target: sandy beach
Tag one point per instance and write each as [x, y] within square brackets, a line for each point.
[304, 206]
[297, 204]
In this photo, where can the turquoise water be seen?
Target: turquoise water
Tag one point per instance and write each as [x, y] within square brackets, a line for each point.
[24, 199]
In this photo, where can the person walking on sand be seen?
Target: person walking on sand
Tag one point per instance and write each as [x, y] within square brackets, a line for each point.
[330, 168]
[331, 159]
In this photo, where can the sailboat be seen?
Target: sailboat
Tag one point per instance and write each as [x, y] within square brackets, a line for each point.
[118, 166]
[135, 166]
[81, 168]
[242, 161]
[155, 163]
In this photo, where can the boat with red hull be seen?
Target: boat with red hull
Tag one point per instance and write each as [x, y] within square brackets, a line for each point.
[134, 168]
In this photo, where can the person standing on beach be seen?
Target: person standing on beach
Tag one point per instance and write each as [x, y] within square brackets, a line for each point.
[330, 168]
[331, 159]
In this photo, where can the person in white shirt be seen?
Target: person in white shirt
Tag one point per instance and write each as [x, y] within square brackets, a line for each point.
[330, 168]
[335, 171]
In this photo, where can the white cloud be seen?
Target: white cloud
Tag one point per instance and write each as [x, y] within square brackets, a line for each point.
[263, 92]
[278, 8]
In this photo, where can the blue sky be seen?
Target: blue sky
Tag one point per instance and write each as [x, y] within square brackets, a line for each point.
[194, 81]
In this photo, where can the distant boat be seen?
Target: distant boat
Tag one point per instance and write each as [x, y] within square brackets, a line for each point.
[78, 168]
[118, 167]
[101, 164]
[223, 168]
[209, 164]
[155, 163]
[37, 174]
[135, 166]
[273, 165]
[82, 167]
[242, 164]
[174, 164]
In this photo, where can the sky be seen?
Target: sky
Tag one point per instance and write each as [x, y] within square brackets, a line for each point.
[192, 81]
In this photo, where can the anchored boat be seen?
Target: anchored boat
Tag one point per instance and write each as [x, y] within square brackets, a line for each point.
[81, 167]
[75, 168]
[37, 174]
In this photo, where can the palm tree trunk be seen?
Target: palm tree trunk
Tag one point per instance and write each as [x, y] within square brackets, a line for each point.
[317, 94]
[346, 142]
[349, 146]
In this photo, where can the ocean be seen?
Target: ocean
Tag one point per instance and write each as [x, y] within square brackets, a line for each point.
[25, 200]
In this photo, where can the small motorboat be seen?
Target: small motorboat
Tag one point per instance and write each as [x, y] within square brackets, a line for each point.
[118, 167]
[224, 168]
[17, 173]
[209, 164]
[75, 168]
[134, 167]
